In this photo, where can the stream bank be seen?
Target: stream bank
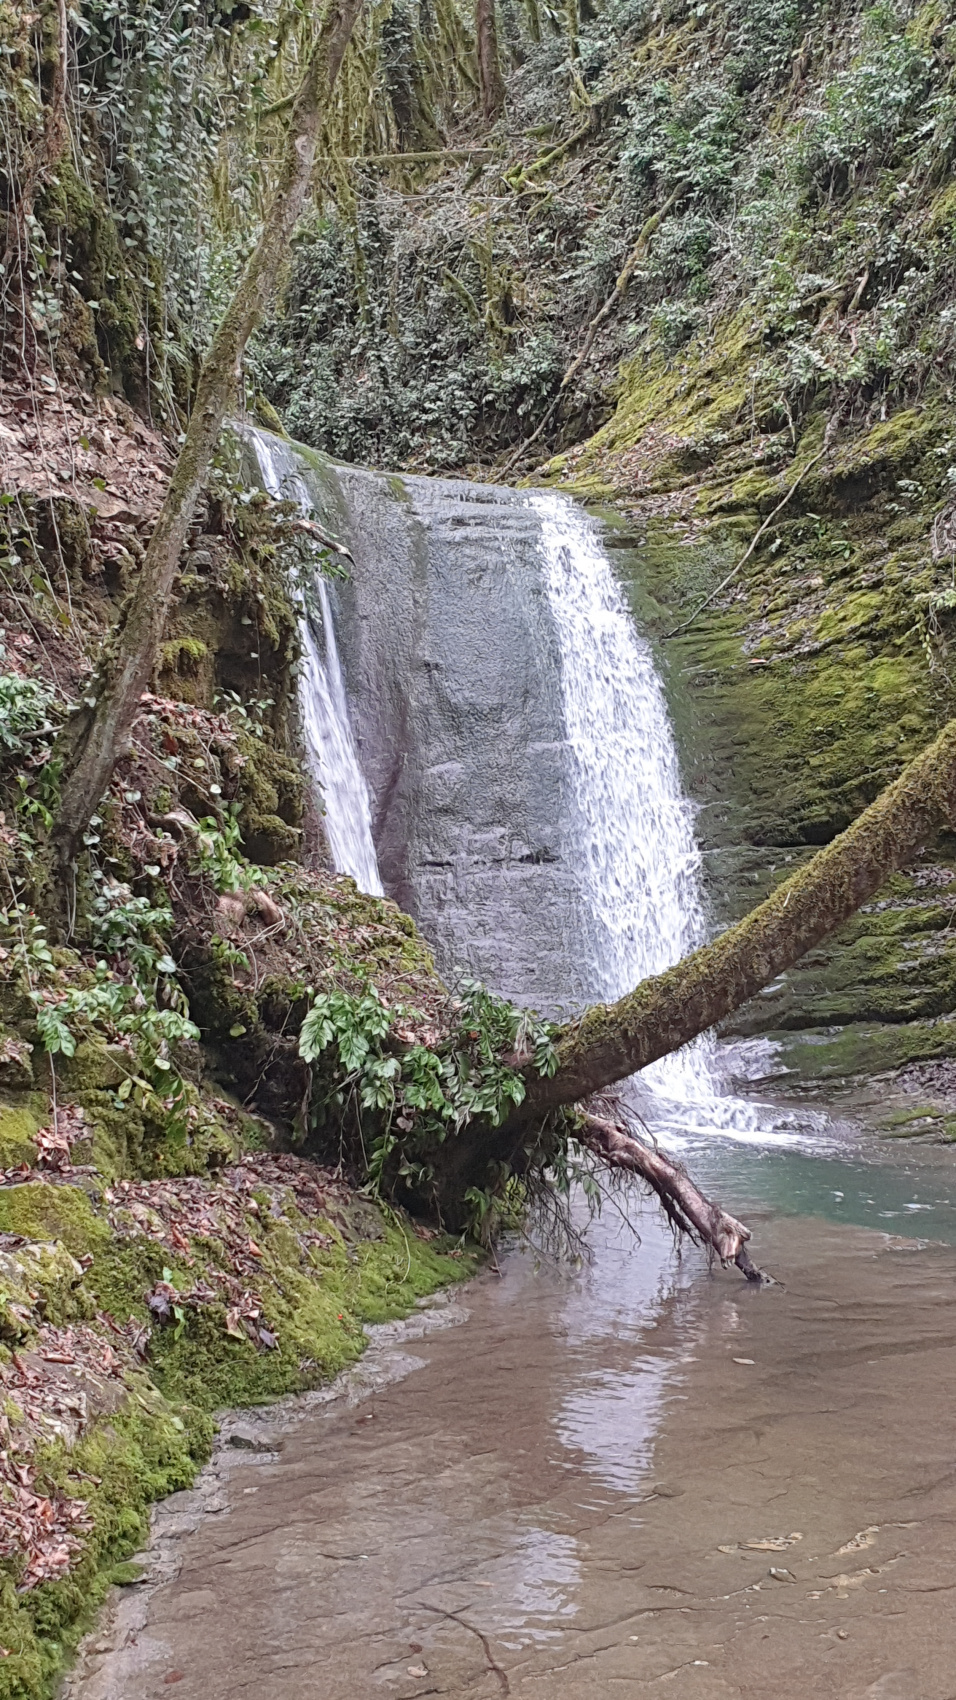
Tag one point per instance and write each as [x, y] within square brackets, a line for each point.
[607, 1481]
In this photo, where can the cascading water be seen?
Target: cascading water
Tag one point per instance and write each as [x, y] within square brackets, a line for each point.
[322, 699]
[638, 858]
[517, 743]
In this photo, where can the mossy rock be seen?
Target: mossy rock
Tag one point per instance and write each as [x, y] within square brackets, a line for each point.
[863, 1049]
[93, 1067]
[41, 1210]
[39, 1271]
[20, 1122]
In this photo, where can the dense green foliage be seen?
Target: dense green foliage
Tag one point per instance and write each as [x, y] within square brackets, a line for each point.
[417, 1096]
[127, 241]
[808, 147]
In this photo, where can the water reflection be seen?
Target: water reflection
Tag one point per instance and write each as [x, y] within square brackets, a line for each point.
[609, 1412]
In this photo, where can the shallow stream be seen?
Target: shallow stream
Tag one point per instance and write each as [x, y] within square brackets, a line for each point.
[639, 1476]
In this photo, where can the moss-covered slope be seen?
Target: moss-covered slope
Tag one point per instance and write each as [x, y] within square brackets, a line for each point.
[129, 1312]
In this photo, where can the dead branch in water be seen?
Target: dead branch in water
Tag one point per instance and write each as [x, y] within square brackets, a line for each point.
[683, 1203]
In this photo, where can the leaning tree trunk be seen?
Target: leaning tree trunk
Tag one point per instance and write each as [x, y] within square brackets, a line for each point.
[489, 61]
[96, 736]
[612, 1041]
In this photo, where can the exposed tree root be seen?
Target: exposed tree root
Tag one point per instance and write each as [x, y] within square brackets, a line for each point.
[683, 1203]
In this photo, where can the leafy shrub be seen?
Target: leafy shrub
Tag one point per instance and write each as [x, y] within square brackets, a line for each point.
[691, 135]
[674, 322]
[419, 364]
[25, 706]
[419, 1096]
[868, 113]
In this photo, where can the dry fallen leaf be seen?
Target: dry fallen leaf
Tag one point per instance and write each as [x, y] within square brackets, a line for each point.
[765, 1543]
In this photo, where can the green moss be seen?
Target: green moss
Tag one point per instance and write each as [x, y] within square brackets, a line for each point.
[911, 1124]
[39, 1269]
[77, 221]
[180, 654]
[864, 1049]
[672, 414]
[271, 799]
[263, 411]
[316, 1310]
[19, 1125]
[119, 1468]
[92, 1068]
[43, 1211]
[117, 1135]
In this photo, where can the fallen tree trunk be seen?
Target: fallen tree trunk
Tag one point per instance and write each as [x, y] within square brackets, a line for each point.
[612, 1041]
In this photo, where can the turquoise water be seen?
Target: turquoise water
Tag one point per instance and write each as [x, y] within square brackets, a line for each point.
[899, 1188]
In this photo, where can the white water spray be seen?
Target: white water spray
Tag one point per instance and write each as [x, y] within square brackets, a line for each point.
[323, 702]
[633, 824]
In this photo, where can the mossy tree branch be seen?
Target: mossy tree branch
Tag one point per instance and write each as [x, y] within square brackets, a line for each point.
[95, 736]
[489, 61]
[613, 1041]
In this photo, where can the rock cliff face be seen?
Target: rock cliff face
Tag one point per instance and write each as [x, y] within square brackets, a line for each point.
[762, 704]
[451, 654]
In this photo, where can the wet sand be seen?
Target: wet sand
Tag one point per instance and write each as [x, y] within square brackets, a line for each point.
[588, 1489]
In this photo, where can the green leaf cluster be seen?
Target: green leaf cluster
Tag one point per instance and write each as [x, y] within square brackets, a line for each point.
[410, 1098]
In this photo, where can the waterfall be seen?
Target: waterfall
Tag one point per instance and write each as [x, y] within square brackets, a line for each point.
[638, 859]
[517, 744]
[322, 699]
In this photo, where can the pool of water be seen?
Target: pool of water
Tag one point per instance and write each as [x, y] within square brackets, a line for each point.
[638, 1476]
